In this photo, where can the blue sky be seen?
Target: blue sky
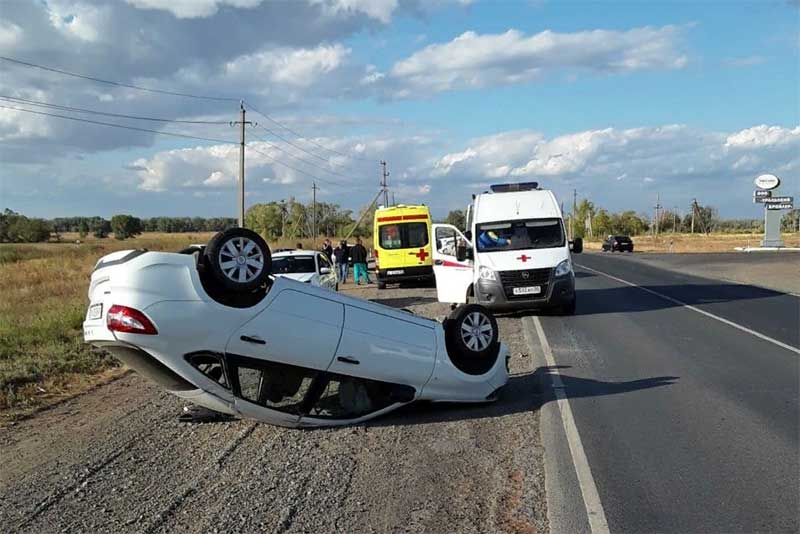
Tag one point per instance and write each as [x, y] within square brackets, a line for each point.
[619, 100]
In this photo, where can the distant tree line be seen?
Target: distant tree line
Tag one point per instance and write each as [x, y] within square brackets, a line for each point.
[294, 219]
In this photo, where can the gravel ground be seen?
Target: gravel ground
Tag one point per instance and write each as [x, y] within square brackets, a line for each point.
[118, 460]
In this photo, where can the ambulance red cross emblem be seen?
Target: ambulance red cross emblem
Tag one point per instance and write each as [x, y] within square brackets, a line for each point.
[524, 258]
[422, 254]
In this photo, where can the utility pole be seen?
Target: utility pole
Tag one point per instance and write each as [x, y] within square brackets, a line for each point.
[393, 202]
[314, 210]
[574, 211]
[658, 207]
[283, 217]
[241, 122]
[694, 203]
[675, 219]
[384, 188]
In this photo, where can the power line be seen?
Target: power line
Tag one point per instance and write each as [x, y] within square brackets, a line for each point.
[117, 84]
[301, 159]
[301, 136]
[113, 125]
[293, 167]
[288, 142]
[37, 103]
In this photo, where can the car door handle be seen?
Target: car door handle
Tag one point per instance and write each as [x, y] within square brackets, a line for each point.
[438, 262]
[253, 339]
[348, 359]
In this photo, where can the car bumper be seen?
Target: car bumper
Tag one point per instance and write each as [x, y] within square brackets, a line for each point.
[406, 274]
[560, 291]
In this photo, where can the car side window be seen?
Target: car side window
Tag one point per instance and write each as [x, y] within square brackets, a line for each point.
[272, 385]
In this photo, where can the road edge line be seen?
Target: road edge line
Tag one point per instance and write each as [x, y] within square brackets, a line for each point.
[591, 498]
[759, 335]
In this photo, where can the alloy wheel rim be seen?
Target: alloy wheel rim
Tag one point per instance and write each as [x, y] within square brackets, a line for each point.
[476, 331]
[241, 259]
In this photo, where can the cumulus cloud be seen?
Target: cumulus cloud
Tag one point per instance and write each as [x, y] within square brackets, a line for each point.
[472, 60]
[188, 9]
[610, 159]
[377, 9]
[293, 67]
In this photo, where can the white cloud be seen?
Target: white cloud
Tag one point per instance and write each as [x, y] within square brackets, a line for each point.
[78, 20]
[377, 9]
[472, 60]
[10, 34]
[188, 9]
[745, 61]
[763, 136]
[293, 67]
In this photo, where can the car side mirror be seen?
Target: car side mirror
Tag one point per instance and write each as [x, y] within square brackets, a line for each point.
[324, 270]
[468, 234]
[461, 252]
[576, 245]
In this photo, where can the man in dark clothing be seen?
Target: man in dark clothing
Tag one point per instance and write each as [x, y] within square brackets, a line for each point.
[327, 249]
[358, 255]
[341, 255]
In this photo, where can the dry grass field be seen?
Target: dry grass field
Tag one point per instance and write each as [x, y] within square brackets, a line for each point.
[670, 242]
[42, 304]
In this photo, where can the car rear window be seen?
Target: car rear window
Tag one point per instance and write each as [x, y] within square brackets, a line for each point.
[622, 239]
[403, 235]
[293, 264]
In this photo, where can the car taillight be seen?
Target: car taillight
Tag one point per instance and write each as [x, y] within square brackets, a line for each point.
[125, 319]
[376, 253]
[615, 242]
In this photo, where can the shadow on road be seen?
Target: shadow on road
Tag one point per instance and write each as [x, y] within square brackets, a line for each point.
[524, 393]
[628, 299]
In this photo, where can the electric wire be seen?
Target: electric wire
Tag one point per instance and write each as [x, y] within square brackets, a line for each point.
[311, 163]
[300, 136]
[123, 126]
[272, 159]
[36, 103]
[117, 84]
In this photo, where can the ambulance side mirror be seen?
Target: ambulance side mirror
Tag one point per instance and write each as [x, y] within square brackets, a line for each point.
[576, 245]
[461, 252]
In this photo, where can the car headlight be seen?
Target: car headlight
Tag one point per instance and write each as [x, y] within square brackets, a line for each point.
[486, 274]
[564, 268]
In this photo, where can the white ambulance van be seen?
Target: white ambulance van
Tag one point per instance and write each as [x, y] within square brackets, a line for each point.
[514, 253]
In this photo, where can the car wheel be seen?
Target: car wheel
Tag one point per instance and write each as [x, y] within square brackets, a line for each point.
[381, 285]
[239, 259]
[471, 332]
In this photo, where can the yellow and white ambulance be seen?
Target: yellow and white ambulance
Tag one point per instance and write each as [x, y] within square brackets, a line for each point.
[402, 244]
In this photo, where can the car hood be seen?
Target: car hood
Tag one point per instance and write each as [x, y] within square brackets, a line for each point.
[300, 277]
[513, 260]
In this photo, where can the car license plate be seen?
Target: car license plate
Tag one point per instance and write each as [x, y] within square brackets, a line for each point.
[530, 290]
[95, 312]
[399, 271]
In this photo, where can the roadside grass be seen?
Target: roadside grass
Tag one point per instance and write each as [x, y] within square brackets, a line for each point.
[715, 242]
[43, 299]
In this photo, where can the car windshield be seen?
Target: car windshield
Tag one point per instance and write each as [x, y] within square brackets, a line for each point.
[403, 235]
[622, 238]
[293, 264]
[518, 235]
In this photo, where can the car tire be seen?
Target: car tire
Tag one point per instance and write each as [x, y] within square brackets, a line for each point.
[223, 255]
[381, 284]
[472, 338]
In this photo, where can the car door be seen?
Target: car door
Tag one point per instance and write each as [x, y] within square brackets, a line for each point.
[296, 329]
[393, 347]
[327, 277]
[453, 275]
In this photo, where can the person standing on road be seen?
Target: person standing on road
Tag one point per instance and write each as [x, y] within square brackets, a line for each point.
[358, 254]
[341, 254]
[327, 249]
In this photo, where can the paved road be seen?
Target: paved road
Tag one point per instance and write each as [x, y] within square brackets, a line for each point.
[687, 423]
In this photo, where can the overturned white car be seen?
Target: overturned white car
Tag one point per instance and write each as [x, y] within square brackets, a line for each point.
[212, 326]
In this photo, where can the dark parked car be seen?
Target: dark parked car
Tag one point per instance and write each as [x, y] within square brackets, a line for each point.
[619, 243]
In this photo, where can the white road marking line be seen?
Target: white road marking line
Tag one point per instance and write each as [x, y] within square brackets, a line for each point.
[759, 335]
[591, 499]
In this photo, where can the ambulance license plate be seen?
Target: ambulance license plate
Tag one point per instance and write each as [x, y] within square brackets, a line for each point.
[530, 290]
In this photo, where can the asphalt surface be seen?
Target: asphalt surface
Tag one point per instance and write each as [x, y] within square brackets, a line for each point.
[688, 424]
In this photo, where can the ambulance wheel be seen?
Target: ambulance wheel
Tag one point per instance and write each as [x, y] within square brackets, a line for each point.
[381, 284]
